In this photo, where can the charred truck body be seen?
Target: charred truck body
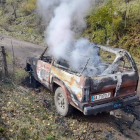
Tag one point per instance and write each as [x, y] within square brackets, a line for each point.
[114, 88]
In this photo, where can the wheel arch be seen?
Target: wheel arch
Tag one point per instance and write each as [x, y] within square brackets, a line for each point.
[58, 83]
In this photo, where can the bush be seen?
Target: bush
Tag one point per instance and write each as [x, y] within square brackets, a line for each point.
[100, 37]
[105, 22]
[28, 6]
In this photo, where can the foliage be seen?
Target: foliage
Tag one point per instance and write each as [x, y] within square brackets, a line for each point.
[14, 4]
[116, 23]
[28, 6]
[24, 27]
[131, 40]
[12, 1]
[104, 22]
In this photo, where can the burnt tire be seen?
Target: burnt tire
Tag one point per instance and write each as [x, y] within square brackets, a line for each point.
[61, 104]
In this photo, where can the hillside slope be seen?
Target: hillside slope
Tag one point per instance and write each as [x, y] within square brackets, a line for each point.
[18, 18]
[112, 22]
[116, 23]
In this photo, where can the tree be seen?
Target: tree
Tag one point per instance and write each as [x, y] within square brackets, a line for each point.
[14, 5]
[126, 3]
[2, 4]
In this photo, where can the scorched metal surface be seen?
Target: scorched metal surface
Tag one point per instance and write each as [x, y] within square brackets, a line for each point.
[79, 90]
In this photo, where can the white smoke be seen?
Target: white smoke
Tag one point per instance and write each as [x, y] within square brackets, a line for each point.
[66, 18]
[84, 51]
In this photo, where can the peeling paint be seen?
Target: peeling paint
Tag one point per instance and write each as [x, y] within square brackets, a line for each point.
[118, 81]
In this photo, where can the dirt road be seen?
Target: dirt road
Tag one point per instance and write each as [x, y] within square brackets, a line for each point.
[124, 126]
[22, 49]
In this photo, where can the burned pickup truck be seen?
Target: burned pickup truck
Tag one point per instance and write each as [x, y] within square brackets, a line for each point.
[112, 88]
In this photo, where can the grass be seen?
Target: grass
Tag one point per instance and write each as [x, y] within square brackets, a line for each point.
[24, 27]
[25, 114]
[28, 115]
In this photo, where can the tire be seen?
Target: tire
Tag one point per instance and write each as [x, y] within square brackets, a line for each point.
[61, 104]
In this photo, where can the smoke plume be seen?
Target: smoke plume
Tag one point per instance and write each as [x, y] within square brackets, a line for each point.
[65, 19]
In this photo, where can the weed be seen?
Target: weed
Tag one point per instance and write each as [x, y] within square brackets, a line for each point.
[2, 130]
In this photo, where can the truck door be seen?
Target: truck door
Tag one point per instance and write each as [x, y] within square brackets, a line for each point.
[43, 70]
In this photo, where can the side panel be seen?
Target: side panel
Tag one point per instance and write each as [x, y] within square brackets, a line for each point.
[72, 82]
[62, 85]
[43, 72]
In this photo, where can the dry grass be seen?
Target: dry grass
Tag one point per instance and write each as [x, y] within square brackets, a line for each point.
[28, 115]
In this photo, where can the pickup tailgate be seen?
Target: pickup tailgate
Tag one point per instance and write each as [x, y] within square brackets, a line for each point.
[105, 88]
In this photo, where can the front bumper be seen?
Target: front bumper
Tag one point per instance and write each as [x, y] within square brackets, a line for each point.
[110, 106]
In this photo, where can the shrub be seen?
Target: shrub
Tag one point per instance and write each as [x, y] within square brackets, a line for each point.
[100, 37]
[100, 22]
[28, 6]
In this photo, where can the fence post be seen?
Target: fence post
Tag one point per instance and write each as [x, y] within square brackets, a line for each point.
[4, 61]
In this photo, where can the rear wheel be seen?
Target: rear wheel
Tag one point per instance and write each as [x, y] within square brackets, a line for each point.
[62, 106]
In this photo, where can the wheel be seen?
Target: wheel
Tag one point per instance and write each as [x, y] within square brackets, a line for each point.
[61, 104]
